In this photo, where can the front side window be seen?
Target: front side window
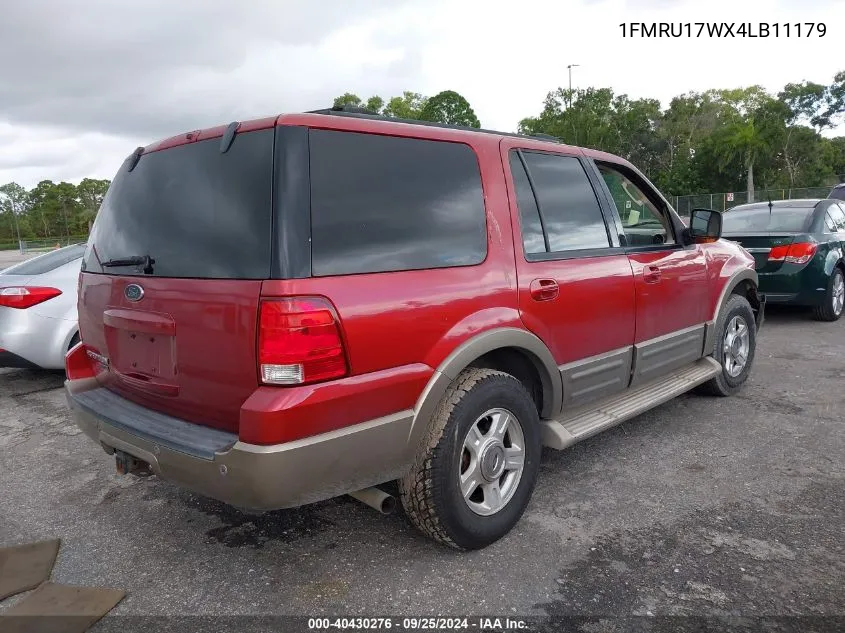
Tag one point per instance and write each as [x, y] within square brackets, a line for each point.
[643, 223]
[386, 203]
[570, 211]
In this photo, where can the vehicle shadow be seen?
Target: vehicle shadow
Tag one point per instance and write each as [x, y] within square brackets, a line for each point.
[20, 382]
[788, 315]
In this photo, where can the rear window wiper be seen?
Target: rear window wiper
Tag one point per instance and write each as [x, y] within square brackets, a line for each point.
[136, 260]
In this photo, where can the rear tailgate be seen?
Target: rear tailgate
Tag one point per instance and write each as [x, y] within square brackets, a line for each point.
[179, 328]
[186, 349]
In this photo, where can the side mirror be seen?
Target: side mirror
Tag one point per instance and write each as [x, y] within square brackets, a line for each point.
[705, 225]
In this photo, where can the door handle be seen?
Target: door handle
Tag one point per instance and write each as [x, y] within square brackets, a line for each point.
[544, 289]
[651, 274]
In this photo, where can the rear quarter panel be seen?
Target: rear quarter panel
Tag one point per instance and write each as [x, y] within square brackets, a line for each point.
[402, 325]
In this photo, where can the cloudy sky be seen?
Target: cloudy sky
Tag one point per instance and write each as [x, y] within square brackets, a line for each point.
[83, 82]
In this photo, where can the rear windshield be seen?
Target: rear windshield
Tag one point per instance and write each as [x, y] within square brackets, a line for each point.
[47, 262]
[195, 211]
[780, 220]
[838, 193]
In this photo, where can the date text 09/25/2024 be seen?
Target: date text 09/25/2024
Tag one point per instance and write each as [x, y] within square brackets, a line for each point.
[723, 29]
[419, 624]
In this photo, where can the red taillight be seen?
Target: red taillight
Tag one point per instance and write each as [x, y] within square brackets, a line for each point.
[26, 296]
[798, 253]
[78, 364]
[299, 341]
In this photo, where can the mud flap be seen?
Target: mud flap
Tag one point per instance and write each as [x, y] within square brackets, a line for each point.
[760, 312]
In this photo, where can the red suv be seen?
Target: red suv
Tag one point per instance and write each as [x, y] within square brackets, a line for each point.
[280, 311]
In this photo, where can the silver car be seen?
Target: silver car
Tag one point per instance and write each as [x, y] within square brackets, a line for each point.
[38, 315]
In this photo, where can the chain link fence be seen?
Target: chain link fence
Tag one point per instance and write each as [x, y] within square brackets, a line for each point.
[725, 201]
[49, 243]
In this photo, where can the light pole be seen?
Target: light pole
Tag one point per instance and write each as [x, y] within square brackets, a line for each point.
[569, 68]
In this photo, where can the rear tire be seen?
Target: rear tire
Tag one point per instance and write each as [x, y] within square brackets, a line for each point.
[467, 488]
[834, 299]
[734, 347]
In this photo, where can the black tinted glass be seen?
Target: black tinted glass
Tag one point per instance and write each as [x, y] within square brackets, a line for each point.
[532, 229]
[570, 209]
[382, 203]
[779, 220]
[838, 193]
[47, 262]
[197, 212]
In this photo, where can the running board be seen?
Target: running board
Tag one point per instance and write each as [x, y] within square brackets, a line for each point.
[574, 426]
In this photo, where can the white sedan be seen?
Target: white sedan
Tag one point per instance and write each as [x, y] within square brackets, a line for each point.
[38, 315]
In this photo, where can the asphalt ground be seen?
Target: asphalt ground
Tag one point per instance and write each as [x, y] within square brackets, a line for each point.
[704, 510]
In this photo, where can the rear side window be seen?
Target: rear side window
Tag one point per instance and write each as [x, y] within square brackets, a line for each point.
[384, 203]
[837, 214]
[568, 205]
[197, 212]
[47, 262]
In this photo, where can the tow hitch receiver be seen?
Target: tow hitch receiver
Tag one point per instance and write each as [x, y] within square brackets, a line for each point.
[128, 465]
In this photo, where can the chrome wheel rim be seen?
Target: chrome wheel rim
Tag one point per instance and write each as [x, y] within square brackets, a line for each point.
[838, 299]
[491, 462]
[737, 343]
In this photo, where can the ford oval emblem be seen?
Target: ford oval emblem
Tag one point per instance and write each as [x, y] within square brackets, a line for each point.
[133, 292]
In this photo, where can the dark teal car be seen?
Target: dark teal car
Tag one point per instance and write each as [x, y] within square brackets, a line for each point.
[799, 250]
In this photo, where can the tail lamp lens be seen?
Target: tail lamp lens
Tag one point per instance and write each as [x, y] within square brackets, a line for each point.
[299, 341]
[78, 363]
[798, 253]
[21, 297]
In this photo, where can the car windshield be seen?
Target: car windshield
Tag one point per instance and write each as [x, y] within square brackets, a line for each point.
[47, 262]
[761, 220]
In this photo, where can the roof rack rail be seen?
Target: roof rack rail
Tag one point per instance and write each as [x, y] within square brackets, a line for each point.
[545, 137]
[362, 113]
[346, 109]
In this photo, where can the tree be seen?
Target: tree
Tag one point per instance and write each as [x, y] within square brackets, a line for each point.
[347, 99]
[743, 136]
[449, 107]
[375, 104]
[807, 102]
[91, 193]
[578, 117]
[408, 106]
[13, 199]
[835, 98]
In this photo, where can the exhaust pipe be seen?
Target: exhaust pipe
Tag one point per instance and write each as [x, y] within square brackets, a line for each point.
[377, 499]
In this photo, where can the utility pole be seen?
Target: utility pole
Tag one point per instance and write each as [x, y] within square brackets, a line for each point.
[569, 68]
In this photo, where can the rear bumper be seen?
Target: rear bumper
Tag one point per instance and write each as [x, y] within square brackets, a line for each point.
[802, 287]
[218, 465]
[33, 338]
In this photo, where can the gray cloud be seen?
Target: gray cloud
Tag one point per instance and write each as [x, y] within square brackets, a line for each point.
[162, 66]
